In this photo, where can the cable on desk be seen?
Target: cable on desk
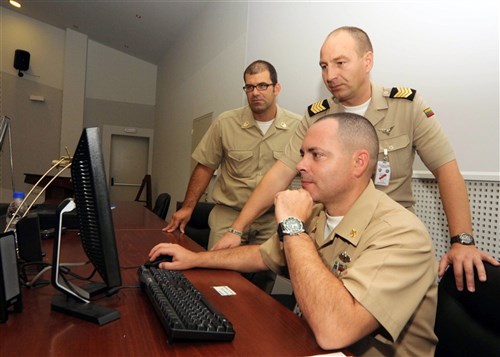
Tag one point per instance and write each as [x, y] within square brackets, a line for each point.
[34, 283]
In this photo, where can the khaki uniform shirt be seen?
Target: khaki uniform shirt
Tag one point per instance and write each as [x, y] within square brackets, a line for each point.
[383, 255]
[235, 142]
[404, 124]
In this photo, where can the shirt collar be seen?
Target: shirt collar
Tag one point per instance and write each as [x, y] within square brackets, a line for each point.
[356, 220]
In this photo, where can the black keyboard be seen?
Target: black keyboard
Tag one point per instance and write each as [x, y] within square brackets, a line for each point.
[183, 311]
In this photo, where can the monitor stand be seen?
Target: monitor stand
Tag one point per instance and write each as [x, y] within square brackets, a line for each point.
[86, 311]
[75, 300]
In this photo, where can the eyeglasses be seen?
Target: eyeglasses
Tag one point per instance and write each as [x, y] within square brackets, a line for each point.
[260, 87]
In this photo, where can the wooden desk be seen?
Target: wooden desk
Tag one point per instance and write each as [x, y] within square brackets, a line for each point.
[263, 326]
[133, 215]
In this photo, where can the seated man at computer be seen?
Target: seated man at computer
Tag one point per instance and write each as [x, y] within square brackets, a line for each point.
[362, 267]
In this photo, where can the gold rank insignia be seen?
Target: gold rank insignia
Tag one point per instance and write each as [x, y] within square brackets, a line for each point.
[403, 93]
[318, 107]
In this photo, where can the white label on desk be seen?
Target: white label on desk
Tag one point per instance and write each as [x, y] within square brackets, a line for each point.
[224, 290]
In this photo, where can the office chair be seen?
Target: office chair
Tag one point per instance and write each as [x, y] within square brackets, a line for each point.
[197, 228]
[468, 324]
[161, 205]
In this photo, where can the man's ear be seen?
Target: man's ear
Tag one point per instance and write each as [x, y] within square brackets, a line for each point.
[277, 89]
[361, 162]
[368, 59]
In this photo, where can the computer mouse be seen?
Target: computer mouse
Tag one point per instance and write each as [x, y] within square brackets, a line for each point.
[159, 259]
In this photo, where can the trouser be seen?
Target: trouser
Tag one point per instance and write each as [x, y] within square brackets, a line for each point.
[222, 217]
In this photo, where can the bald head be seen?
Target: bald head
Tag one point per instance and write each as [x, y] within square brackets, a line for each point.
[363, 43]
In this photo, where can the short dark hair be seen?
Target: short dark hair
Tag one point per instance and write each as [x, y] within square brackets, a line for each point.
[261, 66]
[356, 132]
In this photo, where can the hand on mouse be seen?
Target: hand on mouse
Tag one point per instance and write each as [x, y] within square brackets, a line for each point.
[181, 257]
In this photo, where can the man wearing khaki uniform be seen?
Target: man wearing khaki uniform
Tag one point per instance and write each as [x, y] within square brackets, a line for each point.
[244, 143]
[362, 266]
[244, 153]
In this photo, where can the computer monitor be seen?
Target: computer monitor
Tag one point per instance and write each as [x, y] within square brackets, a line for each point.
[91, 199]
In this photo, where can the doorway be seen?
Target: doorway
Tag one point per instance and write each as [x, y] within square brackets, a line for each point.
[128, 158]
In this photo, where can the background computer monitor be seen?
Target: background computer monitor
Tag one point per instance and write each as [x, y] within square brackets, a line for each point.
[91, 198]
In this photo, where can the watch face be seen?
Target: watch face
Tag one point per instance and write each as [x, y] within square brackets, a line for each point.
[292, 225]
[463, 238]
[466, 238]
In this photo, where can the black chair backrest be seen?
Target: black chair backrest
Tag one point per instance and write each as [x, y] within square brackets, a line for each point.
[468, 324]
[197, 228]
[199, 217]
[161, 205]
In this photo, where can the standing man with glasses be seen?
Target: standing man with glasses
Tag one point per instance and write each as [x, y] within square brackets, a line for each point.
[244, 143]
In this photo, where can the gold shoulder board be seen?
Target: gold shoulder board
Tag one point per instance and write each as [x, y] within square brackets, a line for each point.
[318, 107]
[403, 93]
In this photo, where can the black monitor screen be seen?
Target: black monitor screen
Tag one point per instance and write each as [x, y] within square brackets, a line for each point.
[93, 207]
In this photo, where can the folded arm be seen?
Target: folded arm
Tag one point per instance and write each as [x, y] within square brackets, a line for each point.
[323, 299]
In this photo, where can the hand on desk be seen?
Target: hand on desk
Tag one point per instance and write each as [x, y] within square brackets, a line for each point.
[464, 258]
[179, 220]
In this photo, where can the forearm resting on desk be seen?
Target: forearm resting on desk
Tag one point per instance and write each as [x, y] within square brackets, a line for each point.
[244, 259]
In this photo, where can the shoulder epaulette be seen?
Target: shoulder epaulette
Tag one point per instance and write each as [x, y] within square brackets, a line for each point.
[318, 107]
[402, 93]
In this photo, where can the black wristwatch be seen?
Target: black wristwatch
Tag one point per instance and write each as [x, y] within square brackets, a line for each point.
[290, 226]
[463, 238]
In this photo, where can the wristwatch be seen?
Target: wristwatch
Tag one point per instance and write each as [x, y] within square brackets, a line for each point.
[291, 226]
[463, 238]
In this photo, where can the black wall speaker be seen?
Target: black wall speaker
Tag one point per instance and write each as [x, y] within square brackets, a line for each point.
[28, 238]
[10, 291]
[21, 61]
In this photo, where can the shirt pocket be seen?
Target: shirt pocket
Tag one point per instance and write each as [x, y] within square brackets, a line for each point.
[399, 153]
[240, 163]
[278, 155]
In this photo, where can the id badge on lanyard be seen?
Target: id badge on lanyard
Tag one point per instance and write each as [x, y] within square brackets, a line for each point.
[383, 173]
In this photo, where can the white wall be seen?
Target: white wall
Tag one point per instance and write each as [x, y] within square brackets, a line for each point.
[111, 75]
[121, 89]
[201, 73]
[448, 51]
[45, 44]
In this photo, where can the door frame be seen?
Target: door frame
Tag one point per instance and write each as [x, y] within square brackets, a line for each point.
[109, 130]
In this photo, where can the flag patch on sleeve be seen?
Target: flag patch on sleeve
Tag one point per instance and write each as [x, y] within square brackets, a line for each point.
[428, 112]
